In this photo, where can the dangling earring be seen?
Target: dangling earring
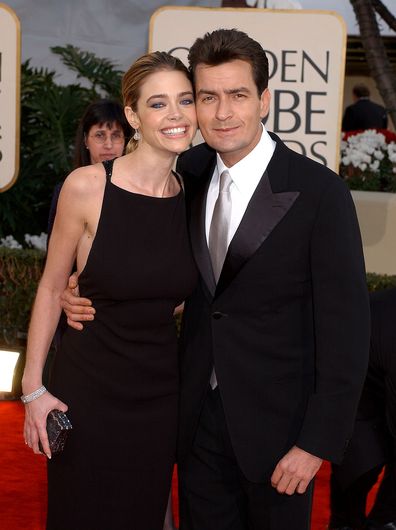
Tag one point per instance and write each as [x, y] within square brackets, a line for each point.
[137, 135]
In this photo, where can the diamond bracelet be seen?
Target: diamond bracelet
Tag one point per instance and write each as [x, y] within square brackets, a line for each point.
[34, 395]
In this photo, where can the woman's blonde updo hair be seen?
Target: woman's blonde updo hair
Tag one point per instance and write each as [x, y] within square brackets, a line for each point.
[133, 78]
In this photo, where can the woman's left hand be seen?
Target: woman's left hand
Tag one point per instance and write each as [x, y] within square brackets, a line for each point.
[35, 428]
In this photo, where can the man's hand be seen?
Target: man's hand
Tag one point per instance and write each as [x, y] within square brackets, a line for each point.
[77, 309]
[295, 471]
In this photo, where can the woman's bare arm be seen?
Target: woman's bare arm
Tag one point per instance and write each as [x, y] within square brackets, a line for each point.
[75, 213]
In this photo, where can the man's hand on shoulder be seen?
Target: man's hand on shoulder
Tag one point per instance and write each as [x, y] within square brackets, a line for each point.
[77, 309]
[295, 471]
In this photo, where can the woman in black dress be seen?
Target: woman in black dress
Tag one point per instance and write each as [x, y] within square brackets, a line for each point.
[125, 224]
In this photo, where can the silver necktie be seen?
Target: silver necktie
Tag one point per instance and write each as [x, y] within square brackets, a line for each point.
[218, 235]
[218, 232]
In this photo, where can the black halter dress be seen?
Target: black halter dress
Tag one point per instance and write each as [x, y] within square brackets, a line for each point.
[119, 376]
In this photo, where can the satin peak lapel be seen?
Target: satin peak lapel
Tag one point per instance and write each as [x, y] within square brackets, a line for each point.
[265, 210]
[198, 239]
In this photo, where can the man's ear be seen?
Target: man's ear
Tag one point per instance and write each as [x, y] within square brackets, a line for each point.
[265, 100]
[132, 117]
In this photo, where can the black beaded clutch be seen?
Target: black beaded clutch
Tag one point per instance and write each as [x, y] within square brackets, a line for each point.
[58, 427]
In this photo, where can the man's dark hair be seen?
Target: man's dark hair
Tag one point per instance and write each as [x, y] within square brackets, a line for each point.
[225, 45]
[361, 91]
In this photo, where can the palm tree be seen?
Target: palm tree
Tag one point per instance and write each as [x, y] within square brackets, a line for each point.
[378, 61]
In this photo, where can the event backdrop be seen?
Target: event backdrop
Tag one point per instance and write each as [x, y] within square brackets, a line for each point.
[306, 52]
[10, 65]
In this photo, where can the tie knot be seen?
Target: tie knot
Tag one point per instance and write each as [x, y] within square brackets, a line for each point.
[225, 181]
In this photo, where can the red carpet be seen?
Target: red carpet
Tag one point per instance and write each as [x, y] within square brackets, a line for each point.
[23, 487]
[23, 479]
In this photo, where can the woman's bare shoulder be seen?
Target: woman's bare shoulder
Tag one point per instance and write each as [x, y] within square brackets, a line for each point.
[85, 181]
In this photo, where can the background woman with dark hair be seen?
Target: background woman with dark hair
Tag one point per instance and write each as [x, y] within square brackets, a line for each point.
[102, 133]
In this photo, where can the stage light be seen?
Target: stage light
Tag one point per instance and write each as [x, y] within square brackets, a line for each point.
[8, 361]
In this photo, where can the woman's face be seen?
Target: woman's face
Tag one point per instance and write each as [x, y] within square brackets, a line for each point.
[105, 142]
[165, 112]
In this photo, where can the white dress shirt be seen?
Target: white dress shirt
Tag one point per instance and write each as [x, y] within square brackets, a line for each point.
[245, 175]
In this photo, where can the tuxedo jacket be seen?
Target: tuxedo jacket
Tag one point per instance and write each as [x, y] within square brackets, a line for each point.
[287, 325]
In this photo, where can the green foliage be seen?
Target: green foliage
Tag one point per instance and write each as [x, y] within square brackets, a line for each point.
[101, 73]
[383, 180]
[20, 272]
[49, 119]
[377, 282]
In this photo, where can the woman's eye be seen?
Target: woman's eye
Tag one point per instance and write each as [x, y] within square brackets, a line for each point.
[117, 136]
[188, 101]
[100, 135]
[157, 105]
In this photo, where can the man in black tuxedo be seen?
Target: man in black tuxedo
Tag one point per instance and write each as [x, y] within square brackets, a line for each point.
[363, 113]
[275, 337]
[373, 443]
[275, 340]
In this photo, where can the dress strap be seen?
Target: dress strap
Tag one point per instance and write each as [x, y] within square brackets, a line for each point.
[108, 165]
[179, 179]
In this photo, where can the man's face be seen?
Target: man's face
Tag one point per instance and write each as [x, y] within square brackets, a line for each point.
[229, 108]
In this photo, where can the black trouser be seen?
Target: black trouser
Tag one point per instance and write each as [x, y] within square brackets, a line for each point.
[215, 495]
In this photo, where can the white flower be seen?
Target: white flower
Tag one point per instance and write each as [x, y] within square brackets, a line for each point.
[39, 242]
[367, 154]
[392, 152]
[366, 150]
[379, 155]
[9, 242]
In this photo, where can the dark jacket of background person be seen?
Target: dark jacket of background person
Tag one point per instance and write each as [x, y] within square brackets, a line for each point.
[364, 113]
[373, 443]
[287, 333]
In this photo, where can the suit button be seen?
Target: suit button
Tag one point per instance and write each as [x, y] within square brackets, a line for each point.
[217, 315]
